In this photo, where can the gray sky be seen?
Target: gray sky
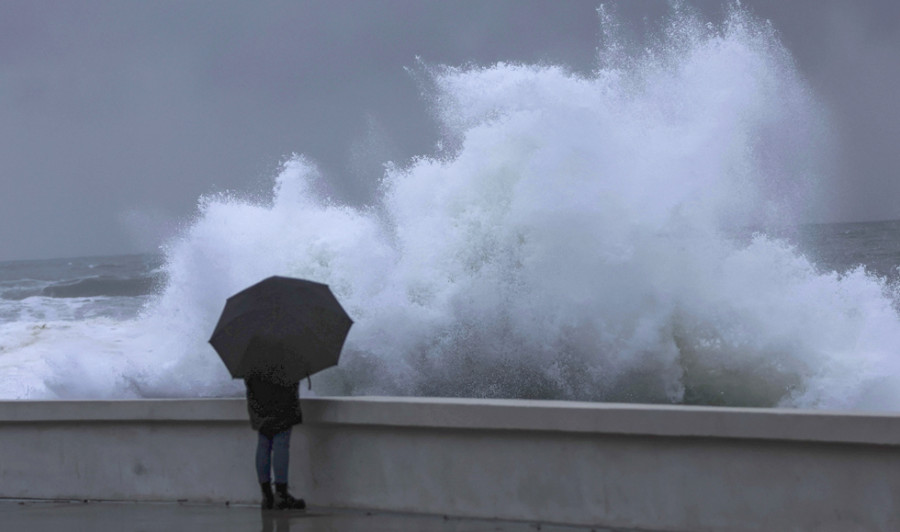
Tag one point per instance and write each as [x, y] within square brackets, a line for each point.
[115, 116]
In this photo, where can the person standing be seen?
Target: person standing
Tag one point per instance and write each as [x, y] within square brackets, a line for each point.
[274, 408]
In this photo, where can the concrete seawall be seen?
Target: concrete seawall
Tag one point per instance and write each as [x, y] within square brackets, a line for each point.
[629, 466]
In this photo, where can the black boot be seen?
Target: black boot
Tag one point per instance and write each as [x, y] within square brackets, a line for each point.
[285, 501]
[268, 497]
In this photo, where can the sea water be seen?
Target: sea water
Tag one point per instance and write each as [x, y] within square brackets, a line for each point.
[635, 234]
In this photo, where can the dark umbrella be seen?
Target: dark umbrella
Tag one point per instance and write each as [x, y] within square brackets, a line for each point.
[290, 328]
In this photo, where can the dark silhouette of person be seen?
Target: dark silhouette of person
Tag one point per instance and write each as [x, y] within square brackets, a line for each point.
[274, 407]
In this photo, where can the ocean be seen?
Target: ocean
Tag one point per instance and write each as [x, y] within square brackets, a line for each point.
[47, 306]
[573, 236]
[72, 289]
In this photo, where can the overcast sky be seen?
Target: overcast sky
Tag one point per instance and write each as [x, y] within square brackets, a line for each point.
[115, 116]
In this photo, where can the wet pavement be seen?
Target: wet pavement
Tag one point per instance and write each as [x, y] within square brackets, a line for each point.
[65, 516]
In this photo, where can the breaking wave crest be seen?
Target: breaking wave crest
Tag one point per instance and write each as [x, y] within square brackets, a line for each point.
[579, 237]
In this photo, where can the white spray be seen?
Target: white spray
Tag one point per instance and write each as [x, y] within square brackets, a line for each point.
[576, 243]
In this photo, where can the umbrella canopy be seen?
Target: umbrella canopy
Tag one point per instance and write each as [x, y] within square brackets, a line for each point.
[284, 327]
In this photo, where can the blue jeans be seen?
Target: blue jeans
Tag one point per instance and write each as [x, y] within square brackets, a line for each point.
[273, 454]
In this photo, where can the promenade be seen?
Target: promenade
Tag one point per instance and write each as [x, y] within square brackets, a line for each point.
[509, 463]
[30, 516]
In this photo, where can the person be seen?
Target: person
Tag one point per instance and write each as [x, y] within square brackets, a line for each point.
[274, 408]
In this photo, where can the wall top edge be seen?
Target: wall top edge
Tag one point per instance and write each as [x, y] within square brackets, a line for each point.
[492, 414]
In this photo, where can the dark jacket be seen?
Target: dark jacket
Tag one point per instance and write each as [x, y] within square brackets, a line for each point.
[273, 407]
